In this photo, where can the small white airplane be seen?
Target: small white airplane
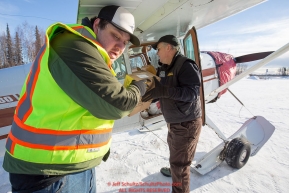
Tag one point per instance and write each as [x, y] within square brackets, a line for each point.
[181, 18]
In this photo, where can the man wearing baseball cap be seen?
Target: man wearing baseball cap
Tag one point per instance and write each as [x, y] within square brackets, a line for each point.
[178, 92]
[63, 121]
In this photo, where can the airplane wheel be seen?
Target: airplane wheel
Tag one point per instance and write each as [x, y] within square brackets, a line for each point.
[238, 153]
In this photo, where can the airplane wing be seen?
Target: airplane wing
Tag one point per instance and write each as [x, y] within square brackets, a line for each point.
[157, 18]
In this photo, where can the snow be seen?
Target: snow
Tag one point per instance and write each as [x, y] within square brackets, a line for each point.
[136, 158]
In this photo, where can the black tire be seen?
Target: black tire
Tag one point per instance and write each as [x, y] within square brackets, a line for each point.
[238, 153]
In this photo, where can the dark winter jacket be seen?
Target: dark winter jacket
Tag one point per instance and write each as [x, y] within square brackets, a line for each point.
[183, 78]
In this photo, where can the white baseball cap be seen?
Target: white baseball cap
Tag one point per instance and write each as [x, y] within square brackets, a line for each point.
[121, 19]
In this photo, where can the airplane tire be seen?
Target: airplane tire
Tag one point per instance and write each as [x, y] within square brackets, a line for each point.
[238, 153]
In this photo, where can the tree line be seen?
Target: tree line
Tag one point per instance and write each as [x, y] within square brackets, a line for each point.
[22, 46]
[283, 71]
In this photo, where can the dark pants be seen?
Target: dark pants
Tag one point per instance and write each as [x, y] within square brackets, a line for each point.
[182, 140]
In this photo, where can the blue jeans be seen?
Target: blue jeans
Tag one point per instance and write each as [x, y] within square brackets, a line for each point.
[83, 182]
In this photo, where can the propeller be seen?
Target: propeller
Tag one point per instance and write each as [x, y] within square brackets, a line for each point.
[252, 57]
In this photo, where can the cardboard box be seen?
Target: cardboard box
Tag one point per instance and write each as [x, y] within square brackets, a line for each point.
[138, 75]
[140, 107]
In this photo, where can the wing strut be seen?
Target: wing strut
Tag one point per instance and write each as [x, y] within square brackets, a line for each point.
[236, 97]
[239, 101]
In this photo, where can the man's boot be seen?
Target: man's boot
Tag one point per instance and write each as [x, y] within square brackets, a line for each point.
[166, 171]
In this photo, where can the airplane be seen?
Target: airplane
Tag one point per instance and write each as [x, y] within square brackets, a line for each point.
[181, 18]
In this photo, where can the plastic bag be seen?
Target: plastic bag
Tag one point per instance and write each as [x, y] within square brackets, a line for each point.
[154, 108]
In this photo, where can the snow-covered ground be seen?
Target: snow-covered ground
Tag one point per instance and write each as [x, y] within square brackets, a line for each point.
[136, 158]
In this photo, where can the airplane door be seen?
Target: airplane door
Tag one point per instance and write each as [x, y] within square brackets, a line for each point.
[191, 50]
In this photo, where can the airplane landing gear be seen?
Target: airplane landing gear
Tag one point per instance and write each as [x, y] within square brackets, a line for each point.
[237, 148]
[237, 152]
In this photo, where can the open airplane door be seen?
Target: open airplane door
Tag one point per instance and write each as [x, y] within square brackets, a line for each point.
[191, 50]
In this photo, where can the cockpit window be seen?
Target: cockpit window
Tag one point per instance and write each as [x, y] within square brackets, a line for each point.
[154, 58]
[143, 57]
[136, 62]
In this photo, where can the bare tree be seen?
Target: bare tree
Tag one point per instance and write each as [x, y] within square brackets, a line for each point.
[27, 39]
[42, 35]
[283, 71]
[24, 48]
[3, 58]
[279, 71]
[241, 67]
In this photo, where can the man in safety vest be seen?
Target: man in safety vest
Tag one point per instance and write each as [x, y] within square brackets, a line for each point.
[63, 121]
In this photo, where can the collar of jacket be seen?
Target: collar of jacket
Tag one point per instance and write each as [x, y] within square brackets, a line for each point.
[86, 22]
[177, 54]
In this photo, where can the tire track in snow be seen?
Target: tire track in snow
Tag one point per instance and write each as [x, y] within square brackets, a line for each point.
[275, 184]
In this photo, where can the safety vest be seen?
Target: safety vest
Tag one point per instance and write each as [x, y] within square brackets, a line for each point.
[49, 127]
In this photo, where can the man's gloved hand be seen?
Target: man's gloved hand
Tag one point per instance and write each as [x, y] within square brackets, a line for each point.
[156, 90]
[141, 86]
[105, 157]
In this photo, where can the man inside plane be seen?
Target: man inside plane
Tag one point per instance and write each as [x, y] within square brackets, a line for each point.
[63, 122]
[178, 92]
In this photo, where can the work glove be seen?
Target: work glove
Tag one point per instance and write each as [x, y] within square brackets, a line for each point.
[105, 157]
[141, 85]
[156, 90]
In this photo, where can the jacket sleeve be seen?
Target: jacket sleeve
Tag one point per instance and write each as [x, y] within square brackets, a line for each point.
[189, 83]
[81, 72]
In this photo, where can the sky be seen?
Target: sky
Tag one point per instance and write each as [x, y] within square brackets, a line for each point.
[137, 157]
[35, 12]
[264, 27]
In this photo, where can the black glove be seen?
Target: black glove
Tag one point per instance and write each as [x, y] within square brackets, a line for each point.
[105, 157]
[157, 91]
[141, 86]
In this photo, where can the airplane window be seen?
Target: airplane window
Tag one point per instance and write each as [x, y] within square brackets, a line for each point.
[189, 48]
[152, 53]
[136, 62]
[119, 68]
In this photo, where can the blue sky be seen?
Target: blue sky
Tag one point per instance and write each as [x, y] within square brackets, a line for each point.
[264, 27]
[53, 10]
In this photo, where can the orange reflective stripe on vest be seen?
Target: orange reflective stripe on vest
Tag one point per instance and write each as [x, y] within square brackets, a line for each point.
[64, 141]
